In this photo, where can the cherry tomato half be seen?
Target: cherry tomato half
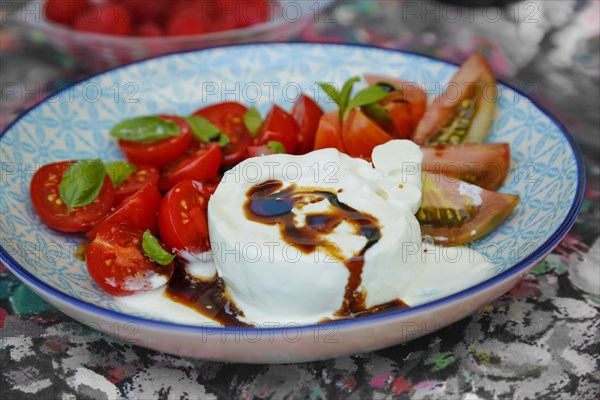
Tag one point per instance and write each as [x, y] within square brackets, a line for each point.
[117, 263]
[143, 174]
[182, 218]
[307, 114]
[200, 166]
[360, 135]
[47, 203]
[229, 118]
[138, 210]
[162, 152]
[329, 132]
[279, 126]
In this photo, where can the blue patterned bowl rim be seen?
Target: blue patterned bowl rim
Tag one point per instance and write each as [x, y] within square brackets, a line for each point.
[536, 255]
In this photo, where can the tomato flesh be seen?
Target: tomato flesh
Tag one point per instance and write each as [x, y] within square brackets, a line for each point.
[143, 174]
[229, 118]
[139, 211]
[117, 263]
[46, 201]
[454, 212]
[329, 132]
[279, 126]
[200, 166]
[307, 114]
[161, 152]
[182, 219]
[404, 106]
[464, 112]
[360, 135]
[483, 164]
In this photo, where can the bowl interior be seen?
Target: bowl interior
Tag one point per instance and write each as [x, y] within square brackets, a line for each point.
[74, 124]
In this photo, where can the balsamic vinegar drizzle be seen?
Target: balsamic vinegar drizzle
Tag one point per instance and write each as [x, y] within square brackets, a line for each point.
[269, 204]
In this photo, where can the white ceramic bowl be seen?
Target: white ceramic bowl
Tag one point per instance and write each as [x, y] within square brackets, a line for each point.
[547, 173]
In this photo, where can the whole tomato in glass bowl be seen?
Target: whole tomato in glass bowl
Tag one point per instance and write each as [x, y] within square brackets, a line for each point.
[105, 34]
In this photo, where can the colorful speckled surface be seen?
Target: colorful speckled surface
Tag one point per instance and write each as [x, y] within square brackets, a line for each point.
[540, 340]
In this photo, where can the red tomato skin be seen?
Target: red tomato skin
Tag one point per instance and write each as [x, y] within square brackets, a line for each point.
[329, 133]
[160, 153]
[45, 199]
[64, 12]
[148, 29]
[279, 126]
[360, 135]
[307, 114]
[200, 166]
[143, 174]
[117, 263]
[229, 118]
[145, 11]
[182, 218]
[109, 19]
[139, 211]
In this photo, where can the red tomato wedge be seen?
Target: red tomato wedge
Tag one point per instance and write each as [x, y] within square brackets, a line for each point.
[183, 220]
[464, 112]
[404, 106]
[483, 164]
[307, 114]
[360, 135]
[117, 263]
[200, 166]
[143, 174]
[279, 126]
[229, 118]
[46, 201]
[454, 212]
[161, 152]
[139, 211]
[329, 133]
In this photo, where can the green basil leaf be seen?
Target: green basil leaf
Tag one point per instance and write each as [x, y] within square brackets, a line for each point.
[277, 146]
[118, 171]
[372, 94]
[253, 121]
[154, 250]
[346, 92]
[377, 112]
[81, 183]
[202, 129]
[144, 129]
[331, 91]
[224, 140]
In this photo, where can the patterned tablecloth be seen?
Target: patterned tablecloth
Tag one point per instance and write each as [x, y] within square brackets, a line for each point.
[540, 340]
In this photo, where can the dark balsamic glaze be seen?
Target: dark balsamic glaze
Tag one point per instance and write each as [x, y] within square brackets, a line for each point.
[269, 204]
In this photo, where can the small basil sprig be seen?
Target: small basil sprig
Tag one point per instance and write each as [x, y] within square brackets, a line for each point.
[154, 250]
[118, 171]
[204, 131]
[144, 129]
[276, 146]
[81, 182]
[370, 95]
[253, 121]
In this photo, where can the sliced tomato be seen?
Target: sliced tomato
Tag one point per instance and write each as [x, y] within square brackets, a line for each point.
[262, 150]
[454, 212]
[483, 164]
[117, 263]
[229, 118]
[183, 220]
[329, 132]
[161, 152]
[200, 166]
[464, 112]
[404, 106]
[211, 185]
[46, 201]
[360, 135]
[143, 174]
[138, 210]
[279, 126]
[307, 114]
